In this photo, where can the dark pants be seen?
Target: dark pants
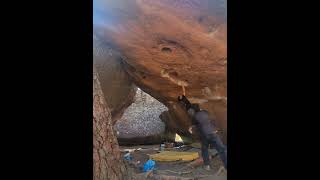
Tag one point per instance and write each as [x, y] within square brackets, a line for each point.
[215, 141]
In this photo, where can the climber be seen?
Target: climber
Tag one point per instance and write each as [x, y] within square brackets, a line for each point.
[207, 132]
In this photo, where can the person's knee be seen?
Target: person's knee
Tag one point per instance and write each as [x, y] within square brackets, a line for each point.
[221, 149]
[220, 145]
[204, 145]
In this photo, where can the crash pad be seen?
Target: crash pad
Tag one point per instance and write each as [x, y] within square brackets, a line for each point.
[196, 145]
[174, 156]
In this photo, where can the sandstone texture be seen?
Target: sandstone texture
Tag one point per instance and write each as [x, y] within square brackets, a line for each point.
[167, 44]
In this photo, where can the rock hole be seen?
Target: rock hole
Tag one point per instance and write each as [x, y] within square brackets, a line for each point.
[166, 50]
[173, 73]
[200, 19]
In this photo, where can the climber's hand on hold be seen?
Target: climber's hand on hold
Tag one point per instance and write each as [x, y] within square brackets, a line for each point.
[184, 101]
[190, 130]
[180, 98]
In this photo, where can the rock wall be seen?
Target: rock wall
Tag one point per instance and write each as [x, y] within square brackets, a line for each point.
[140, 122]
[116, 85]
[166, 44]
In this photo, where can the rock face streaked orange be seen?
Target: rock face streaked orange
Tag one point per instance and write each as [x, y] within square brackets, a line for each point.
[168, 43]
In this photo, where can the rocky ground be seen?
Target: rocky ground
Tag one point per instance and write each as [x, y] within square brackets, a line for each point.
[170, 170]
[141, 120]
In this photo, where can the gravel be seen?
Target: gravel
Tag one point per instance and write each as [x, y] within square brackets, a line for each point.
[141, 118]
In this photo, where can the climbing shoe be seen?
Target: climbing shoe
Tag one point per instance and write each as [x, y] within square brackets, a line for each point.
[207, 167]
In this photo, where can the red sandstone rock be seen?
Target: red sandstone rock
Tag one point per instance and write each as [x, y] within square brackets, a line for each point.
[169, 43]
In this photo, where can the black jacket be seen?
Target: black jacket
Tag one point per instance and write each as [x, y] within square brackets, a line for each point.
[202, 121]
[200, 118]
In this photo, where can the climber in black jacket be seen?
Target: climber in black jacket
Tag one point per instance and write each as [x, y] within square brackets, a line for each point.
[200, 119]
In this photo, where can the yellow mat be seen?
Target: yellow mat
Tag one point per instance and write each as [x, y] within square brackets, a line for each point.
[174, 156]
[196, 145]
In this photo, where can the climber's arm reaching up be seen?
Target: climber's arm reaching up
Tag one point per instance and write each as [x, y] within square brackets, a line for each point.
[191, 109]
[186, 103]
